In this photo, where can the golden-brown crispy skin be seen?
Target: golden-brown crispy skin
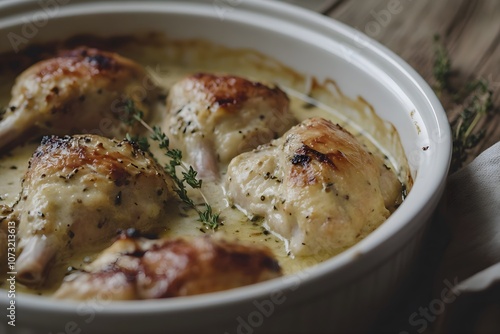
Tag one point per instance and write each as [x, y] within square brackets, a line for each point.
[78, 192]
[231, 92]
[147, 269]
[213, 118]
[316, 186]
[83, 90]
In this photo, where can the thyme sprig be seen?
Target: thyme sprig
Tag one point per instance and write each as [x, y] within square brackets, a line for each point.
[207, 217]
[475, 100]
[442, 65]
[465, 136]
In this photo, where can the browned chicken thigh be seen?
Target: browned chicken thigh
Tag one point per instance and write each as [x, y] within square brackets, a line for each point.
[138, 268]
[78, 192]
[81, 91]
[316, 186]
[213, 118]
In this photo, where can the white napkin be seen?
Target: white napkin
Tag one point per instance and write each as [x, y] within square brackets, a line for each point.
[472, 258]
[472, 204]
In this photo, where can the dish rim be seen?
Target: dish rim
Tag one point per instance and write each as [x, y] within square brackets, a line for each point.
[403, 218]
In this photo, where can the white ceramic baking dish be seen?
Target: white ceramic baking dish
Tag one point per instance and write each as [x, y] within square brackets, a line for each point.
[342, 294]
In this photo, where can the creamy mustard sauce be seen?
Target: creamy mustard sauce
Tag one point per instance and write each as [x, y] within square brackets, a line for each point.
[167, 63]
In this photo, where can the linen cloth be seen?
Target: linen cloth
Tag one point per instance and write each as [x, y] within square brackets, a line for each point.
[471, 209]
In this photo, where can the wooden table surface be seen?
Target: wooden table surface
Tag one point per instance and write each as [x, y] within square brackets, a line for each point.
[470, 31]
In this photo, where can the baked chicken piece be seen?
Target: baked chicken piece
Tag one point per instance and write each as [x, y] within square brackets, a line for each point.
[316, 186]
[213, 118]
[138, 268]
[78, 192]
[81, 91]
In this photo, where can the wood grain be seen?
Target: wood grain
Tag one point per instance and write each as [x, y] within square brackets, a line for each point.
[470, 31]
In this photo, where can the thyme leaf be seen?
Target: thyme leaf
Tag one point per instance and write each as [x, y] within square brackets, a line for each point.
[207, 217]
[131, 113]
[142, 142]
